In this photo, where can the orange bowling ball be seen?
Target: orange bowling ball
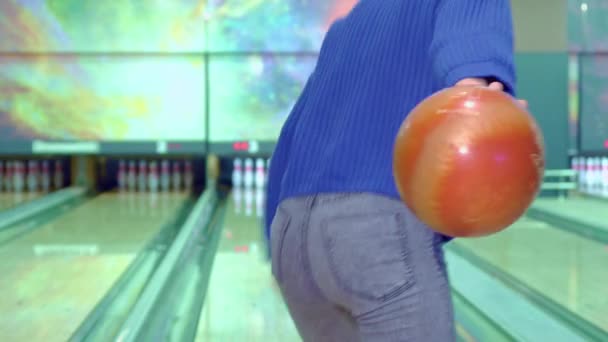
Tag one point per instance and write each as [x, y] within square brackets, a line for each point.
[468, 161]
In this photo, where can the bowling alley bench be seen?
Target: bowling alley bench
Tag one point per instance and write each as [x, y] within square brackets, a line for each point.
[560, 182]
[561, 204]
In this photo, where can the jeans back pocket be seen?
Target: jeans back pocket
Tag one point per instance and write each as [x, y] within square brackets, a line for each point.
[368, 254]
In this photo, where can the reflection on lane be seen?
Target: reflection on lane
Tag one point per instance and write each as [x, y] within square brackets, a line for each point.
[9, 200]
[566, 268]
[242, 302]
[53, 276]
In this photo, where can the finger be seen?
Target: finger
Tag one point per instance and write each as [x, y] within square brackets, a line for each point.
[472, 82]
[496, 86]
[523, 103]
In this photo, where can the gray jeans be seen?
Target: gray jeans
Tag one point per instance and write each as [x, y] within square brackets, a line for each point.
[360, 267]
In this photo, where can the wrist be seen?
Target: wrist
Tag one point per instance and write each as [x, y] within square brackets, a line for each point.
[473, 81]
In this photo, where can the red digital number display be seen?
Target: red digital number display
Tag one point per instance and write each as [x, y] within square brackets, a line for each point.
[241, 146]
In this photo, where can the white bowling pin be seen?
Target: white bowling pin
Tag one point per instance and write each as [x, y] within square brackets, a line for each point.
[18, 176]
[45, 177]
[597, 174]
[259, 201]
[153, 177]
[188, 175]
[581, 173]
[58, 175]
[267, 171]
[142, 175]
[248, 174]
[260, 173]
[600, 174]
[121, 176]
[237, 173]
[605, 176]
[165, 177]
[177, 177]
[132, 176]
[32, 176]
[588, 174]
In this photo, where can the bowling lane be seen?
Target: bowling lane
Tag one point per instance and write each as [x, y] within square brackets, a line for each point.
[55, 275]
[582, 209]
[568, 269]
[242, 302]
[9, 200]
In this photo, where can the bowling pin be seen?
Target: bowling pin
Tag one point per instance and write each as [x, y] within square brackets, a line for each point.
[177, 177]
[58, 175]
[45, 176]
[132, 176]
[237, 196]
[18, 176]
[591, 174]
[597, 177]
[153, 177]
[141, 175]
[121, 176]
[165, 177]
[32, 176]
[604, 181]
[259, 201]
[581, 173]
[248, 175]
[237, 173]
[267, 172]
[259, 173]
[188, 175]
[588, 173]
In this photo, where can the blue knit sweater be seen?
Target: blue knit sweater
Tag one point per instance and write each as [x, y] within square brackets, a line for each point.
[374, 66]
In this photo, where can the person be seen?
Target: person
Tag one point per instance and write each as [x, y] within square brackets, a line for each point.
[351, 261]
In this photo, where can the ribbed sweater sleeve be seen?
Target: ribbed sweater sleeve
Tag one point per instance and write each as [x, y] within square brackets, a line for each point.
[473, 38]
